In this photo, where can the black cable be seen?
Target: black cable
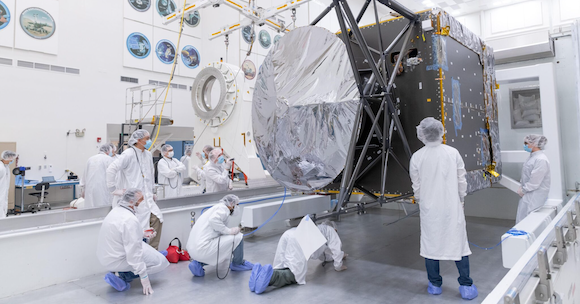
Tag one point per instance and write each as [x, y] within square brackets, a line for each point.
[168, 179]
[218, 258]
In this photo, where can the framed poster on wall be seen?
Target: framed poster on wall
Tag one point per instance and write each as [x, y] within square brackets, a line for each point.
[37, 26]
[7, 23]
[525, 107]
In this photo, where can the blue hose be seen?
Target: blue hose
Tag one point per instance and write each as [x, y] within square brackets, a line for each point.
[266, 222]
[251, 202]
[511, 232]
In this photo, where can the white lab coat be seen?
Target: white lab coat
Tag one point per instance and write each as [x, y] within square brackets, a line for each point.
[438, 175]
[134, 169]
[169, 172]
[216, 178]
[120, 246]
[185, 161]
[94, 181]
[4, 189]
[289, 253]
[211, 227]
[196, 172]
[535, 183]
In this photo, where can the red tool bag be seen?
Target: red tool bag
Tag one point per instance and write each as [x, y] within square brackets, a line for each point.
[175, 253]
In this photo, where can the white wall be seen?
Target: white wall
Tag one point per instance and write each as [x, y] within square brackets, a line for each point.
[41, 106]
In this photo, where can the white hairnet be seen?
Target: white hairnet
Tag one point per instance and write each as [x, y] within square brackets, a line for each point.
[188, 150]
[207, 149]
[165, 148]
[430, 130]
[130, 197]
[214, 154]
[8, 155]
[107, 148]
[536, 140]
[230, 200]
[330, 224]
[137, 135]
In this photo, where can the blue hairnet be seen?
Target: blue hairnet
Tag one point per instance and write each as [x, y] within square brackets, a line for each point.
[430, 130]
[137, 135]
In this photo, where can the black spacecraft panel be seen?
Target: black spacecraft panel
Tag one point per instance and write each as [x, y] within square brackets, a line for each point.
[433, 62]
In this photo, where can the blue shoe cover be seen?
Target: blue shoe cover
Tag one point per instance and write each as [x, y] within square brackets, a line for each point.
[263, 279]
[196, 269]
[434, 290]
[468, 292]
[254, 276]
[163, 252]
[245, 266]
[116, 282]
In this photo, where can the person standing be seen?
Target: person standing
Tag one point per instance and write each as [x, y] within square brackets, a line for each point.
[7, 157]
[216, 177]
[169, 172]
[185, 159]
[438, 175]
[94, 182]
[536, 180]
[134, 168]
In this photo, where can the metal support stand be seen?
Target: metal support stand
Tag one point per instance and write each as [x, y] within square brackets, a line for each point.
[353, 37]
[544, 289]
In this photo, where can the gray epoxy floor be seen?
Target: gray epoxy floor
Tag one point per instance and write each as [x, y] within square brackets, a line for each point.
[384, 266]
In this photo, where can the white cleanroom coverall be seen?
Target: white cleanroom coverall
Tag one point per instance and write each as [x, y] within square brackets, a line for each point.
[135, 170]
[120, 246]
[438, 175]
[4, 189]
[216, 178]
[211, 227]
[169, 174]
[289, 253]
[535, 183]
[97, 193]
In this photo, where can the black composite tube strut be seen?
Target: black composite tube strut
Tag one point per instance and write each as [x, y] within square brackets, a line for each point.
[365, 148]
[362, 42]
[323, 14]
[344, 195]
[385, 53]
[362, 11]
[397, 7]
[346, 40]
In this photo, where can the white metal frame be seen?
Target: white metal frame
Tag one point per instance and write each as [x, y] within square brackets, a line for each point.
[253, 14]
[550, 125]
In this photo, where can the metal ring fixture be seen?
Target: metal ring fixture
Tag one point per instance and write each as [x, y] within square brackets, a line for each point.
[210, 111]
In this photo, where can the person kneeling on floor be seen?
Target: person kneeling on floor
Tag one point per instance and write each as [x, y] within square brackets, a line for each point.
[210, 241]
[121, 249]
[290, 266]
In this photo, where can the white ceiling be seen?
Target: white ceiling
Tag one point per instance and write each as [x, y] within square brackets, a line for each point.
[456, 7]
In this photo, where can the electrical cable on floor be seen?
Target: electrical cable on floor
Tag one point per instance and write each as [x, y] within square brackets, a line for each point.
[511, 232]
